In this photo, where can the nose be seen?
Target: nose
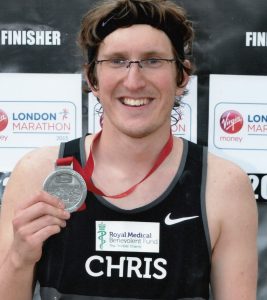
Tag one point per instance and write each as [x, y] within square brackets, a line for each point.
[134, 78]
[138, 62]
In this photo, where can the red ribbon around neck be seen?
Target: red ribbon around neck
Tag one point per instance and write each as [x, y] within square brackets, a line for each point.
[88, 170]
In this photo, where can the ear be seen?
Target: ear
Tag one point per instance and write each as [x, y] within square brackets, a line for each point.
[91, 87]
[180, 89]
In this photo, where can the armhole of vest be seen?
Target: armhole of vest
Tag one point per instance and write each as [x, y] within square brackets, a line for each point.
[75, 148]
[61, 150]
[82, 150]
[203, 198]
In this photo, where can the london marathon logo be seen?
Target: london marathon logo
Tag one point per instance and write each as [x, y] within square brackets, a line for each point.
[3, 120]
[231, 121]
[40, 122]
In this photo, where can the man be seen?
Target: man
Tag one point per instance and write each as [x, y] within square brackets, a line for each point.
[162, 219]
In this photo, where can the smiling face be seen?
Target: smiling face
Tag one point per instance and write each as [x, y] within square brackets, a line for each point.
[136, 101]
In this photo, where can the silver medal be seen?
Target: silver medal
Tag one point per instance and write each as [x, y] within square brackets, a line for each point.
[68, 185]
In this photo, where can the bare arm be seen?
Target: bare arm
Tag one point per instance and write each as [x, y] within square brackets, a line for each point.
[233, 215]
[28, 217]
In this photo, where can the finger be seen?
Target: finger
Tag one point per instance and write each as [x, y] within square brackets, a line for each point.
[41, 196]
[39, 237]
[36, 211]
[28, 249]
[38, 224]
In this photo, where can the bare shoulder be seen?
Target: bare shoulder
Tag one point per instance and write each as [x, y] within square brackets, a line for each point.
[226, 175]
[35, 165]
[230, 197]
[27, 176]
[228, 180]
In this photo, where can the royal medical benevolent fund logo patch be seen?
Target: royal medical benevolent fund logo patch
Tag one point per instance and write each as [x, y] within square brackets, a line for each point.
[127, 236]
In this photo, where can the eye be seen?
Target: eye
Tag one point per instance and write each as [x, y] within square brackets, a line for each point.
[152, 62]
[117, 62]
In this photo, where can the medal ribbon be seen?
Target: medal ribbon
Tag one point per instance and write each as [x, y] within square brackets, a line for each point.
[88, 170]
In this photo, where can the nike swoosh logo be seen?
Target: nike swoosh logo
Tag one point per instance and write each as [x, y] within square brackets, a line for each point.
[169, 221]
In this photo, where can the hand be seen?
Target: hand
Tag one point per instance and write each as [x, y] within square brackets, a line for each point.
[35, 221]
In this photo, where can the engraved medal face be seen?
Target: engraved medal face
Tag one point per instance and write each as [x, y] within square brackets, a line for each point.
[68, 185]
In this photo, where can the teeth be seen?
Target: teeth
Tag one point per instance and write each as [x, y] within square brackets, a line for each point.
[135, 102]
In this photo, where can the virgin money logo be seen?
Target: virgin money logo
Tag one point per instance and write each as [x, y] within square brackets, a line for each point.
[3, 120]
[231, 121]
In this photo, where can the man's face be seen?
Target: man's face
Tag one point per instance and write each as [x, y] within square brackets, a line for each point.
[136, 101]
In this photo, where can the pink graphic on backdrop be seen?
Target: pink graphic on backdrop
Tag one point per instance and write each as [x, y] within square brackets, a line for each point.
[3, 120]
[231, 121]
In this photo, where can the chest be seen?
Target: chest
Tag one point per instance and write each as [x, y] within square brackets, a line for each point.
[103, 247]
[146, 192]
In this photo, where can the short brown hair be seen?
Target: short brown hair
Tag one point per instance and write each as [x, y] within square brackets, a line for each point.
[164, 15]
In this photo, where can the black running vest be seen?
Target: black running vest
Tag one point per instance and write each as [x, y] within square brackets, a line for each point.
[159, 251]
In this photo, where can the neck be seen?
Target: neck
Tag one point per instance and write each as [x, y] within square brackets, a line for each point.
[123, 150]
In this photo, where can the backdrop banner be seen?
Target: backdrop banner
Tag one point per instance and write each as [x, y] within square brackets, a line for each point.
[228, 112]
